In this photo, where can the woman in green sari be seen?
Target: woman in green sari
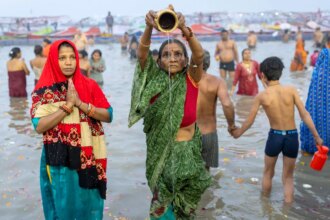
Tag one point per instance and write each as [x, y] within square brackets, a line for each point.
[165, 94]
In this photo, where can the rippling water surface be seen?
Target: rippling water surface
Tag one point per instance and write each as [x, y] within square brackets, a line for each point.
[237, 182]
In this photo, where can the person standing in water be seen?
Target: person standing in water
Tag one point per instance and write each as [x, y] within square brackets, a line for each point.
[279, 102]
[212, 88]
[251, 40]
[124, 41]
[85, 66]
[38, 63]
[226, 53]
[165, 95]
[17, 72]
[97, 66]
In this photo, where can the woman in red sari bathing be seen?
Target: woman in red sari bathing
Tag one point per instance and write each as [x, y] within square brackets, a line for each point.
[246, 76]
[17, 72]
[67, 108]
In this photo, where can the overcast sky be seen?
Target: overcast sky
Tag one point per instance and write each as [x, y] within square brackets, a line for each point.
[98, 8]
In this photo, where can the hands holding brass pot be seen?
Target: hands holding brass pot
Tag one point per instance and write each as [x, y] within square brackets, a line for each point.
[166, 20]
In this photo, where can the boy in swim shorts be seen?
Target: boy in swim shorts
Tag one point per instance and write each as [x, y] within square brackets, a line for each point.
[279, 101]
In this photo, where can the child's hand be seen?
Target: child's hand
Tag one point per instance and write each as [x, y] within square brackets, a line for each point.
[237, 133]
[318, 141]
[231, 128]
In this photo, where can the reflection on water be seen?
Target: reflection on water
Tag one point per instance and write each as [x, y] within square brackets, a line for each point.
[235, 193]
[20, 119]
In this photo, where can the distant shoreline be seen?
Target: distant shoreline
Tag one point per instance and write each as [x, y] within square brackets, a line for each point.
[115, 39]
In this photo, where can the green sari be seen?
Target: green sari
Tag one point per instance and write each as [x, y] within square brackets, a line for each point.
[175, 170]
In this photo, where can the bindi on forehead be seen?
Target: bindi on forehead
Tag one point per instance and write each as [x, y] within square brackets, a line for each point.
[173, 48]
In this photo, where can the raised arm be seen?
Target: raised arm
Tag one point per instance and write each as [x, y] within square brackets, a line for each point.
[306, 117]
[197, 54]
[144, 45]
[227, 105]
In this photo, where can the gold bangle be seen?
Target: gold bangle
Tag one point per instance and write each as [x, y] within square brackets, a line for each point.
[64, 106]
[89, 108]
[91, 112]
[64, 110]
[144, 45]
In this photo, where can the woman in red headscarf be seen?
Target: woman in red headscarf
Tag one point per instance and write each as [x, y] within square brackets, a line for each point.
[67, 108]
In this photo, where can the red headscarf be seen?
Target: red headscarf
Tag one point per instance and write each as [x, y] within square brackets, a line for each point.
[85, 87]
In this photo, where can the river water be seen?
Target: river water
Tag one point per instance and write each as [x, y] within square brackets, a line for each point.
[235, 193]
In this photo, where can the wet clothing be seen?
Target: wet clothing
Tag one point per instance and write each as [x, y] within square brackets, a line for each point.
[230, 66]
[210, 149]
[74, 160]
[318, 104]
[17, 83]
[300, 57]
[282, 141]
[190, 104]
[175, 170]
[97, 69]
[314, 57]
[247, 79]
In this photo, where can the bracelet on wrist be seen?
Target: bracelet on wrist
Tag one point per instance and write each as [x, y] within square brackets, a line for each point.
[66, 109]
[92, 111]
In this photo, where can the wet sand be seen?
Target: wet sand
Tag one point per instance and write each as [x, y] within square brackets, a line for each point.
[236, 190]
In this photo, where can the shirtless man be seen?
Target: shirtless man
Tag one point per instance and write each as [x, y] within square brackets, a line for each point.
[226, 53]
[210, 89]
[80, 40]
[318, 37]
[252, 40]
[124, 41]
[278, 102]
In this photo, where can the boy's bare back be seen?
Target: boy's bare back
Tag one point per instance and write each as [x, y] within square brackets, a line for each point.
[278, 102]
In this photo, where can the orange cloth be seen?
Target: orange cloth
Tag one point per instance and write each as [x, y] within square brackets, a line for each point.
[300, 57]
[45, 50]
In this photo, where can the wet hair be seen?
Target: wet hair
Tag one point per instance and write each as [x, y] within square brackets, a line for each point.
[272, 68]
[224, 31]
[65, 44]
[245, 50]
[96, 51]
[83, 53]
[14, 52]
[38, 50]
[47, 41]
[133, 40]
[172, 41]
[206, 60]
[154, 52]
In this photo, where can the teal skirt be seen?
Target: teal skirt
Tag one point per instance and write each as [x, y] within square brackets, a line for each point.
[63, 198]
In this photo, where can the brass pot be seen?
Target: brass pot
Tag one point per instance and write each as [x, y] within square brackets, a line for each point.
[166, 21]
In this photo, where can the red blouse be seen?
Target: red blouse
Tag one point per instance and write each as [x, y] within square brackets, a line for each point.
[247, 80]
[190, 104]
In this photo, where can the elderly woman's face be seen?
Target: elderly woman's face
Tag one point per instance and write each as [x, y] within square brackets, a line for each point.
[67, 60]
[172, 58]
